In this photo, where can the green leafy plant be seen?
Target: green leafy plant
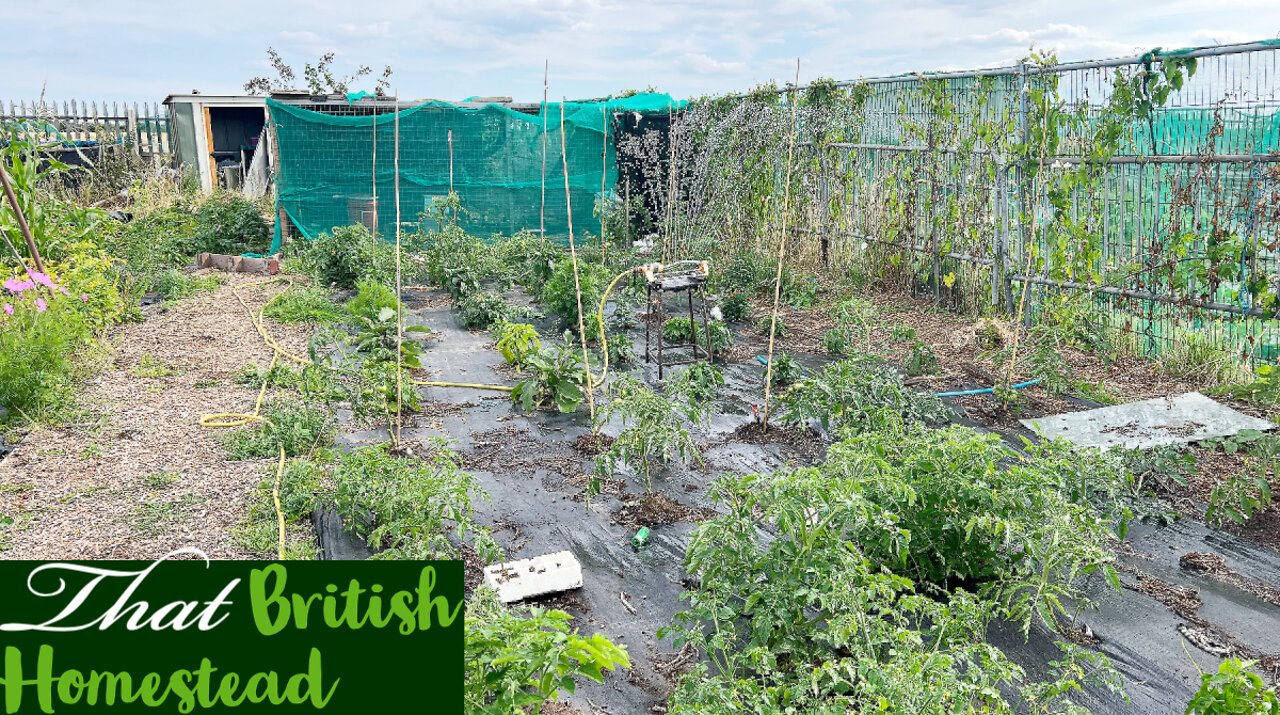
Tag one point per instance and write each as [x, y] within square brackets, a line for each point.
[735, 307]
[1026, 531]
[683, 330]
[800, 291]
[902, 333]
[1238, 497]
[745, 275]
[779, 332]
[560, 297]
[653, 429]
[621, 350]
[836, 341]
[1156, 471]
[370, 299]
[527, 258]
[697, 386]
[299, 428]
[481, 310]
[517, 342]
[230, 224]
[921, 361]
[150, 366]
[1097, 392]
[174, 284]
[40, 332]
[1241, 496]
[518, 660]
[858, 393]
[345, 257]
[793, 617]
[56, 226]
[310, 304]
[406, 507]
[559, 378]
[785, 370]
[1233, 690]
[856, 317]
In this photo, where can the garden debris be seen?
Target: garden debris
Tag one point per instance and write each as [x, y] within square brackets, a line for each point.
[657, 509]
[1215, 566]
[538, 576]
[512, 449]
[592, 444]
[626, 603]
[1180, 419]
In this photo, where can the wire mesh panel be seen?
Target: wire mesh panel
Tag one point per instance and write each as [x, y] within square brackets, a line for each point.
[1145, 187]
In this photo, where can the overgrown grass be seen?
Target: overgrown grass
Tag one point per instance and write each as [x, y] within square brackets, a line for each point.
[173, 284]
[300, 487]
[309, 304]
[299, 428]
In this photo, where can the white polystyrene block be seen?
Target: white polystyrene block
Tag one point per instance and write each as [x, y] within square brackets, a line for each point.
[538, 576]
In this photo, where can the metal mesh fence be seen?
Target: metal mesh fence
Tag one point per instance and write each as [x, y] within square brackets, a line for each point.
[1145, 186]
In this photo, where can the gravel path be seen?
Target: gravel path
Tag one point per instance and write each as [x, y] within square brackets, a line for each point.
[138, 477]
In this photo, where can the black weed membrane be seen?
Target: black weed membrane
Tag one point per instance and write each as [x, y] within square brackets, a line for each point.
[1172, 619]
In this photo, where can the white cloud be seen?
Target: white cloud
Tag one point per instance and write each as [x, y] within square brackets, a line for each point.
[457, 49]
[373, 29]
[700, 63]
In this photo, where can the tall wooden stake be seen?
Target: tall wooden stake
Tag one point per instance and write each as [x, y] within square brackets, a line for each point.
[451, 161]
[573, 254]
[604, 165]
[375, 167]
[782, 247]
[22, 220]
[399, 303]
[542, 217]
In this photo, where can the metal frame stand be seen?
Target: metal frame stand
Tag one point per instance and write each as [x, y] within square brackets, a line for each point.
[660, 288]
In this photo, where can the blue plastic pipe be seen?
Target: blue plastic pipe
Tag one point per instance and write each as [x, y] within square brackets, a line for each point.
[962, 393]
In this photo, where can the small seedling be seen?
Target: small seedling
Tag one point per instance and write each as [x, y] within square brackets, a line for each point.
[785, 370]
[902, 333]
[159, 479]
[921, 361]
[152, 367]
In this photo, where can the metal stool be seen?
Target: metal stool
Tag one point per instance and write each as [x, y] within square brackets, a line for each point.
[660, 280]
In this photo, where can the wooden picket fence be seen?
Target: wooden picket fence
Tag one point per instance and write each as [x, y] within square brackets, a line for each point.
[142, 129]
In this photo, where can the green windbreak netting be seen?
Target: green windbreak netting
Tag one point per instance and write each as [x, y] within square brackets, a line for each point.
[493, 156]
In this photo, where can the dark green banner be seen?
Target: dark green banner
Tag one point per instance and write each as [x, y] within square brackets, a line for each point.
[190, 636]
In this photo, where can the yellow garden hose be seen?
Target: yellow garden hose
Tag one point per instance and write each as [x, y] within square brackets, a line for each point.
[236, 419]
[604, 342]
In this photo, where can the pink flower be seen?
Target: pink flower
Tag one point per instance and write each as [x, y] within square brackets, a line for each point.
[42, 279]
[64, 290]
[41, 305]
[8, 309]
[84, 297]
[16, 286]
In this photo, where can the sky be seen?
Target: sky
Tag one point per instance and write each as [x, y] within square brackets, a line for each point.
[143, 51]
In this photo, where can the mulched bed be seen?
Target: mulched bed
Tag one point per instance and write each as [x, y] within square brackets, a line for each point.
[593, 444]
[1215, 566]
[512, 449]
[804, 443]
[657, 509]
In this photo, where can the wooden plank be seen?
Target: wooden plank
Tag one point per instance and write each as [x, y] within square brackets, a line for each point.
[208, 133]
